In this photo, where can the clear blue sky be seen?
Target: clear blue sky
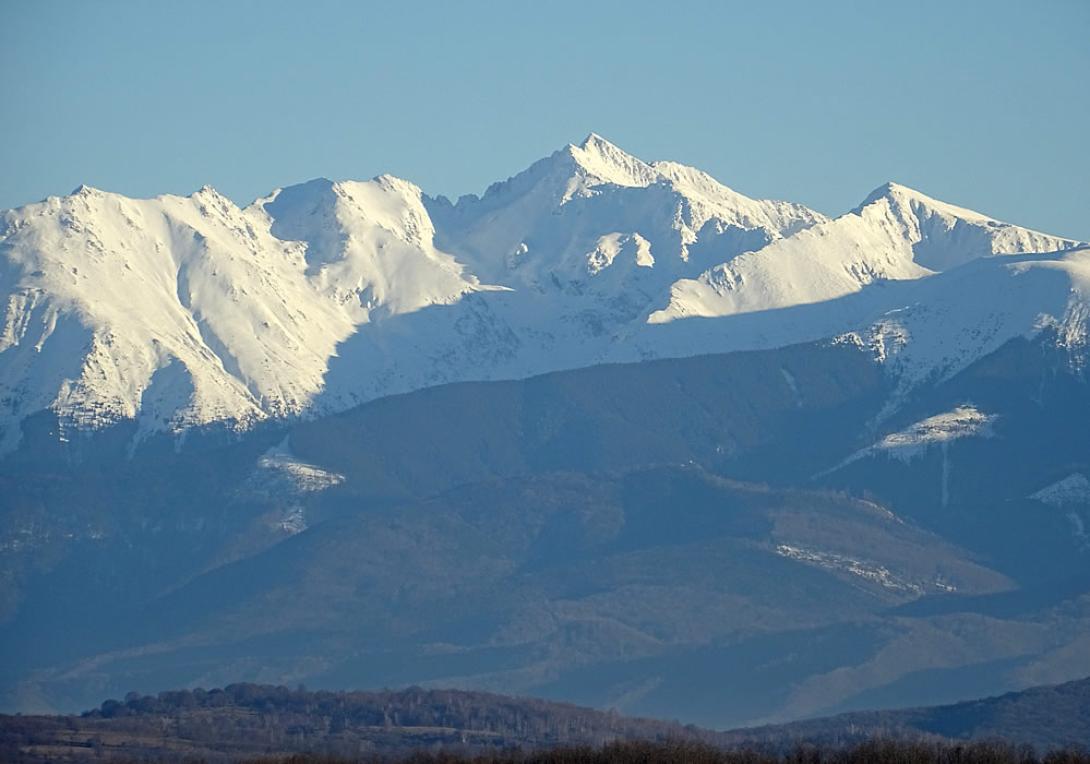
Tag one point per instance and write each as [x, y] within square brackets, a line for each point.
[986, 104]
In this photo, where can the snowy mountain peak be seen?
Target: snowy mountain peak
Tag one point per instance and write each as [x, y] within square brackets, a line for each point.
[180, 311]
[896, 234]
[392, 203]
[905, 198]
[85, 190]
[599, 161]
[944, 235]
[593, 139]
[567, 217]
[369, 245]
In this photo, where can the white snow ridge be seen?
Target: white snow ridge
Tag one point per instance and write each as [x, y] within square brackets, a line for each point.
[914, 441]
[178, 312]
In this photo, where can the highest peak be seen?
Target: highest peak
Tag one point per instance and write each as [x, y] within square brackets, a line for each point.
[596, 145]
[595, 142]
[591, 167]
[606, 162]
[573, 171]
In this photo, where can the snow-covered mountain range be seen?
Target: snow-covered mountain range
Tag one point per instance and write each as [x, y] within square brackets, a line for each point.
[176, 311]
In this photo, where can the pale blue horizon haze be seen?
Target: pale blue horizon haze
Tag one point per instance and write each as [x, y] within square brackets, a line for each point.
[983, 104]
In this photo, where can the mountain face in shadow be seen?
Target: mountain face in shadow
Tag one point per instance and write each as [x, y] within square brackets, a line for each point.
[726, 539]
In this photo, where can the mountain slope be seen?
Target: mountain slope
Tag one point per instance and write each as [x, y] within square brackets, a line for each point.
[180, 311]
[1046, 717]
[896, 234]
[599, 535]
[547, 584]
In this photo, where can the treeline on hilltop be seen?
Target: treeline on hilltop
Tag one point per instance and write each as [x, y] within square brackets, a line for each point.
[336, 712]
[261, 722]
[247, 720]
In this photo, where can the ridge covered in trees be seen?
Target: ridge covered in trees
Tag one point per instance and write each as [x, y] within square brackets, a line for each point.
[246, 720]
[250, 721]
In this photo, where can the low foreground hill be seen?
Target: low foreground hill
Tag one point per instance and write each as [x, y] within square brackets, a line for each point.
[1045, 717]
[246, 721]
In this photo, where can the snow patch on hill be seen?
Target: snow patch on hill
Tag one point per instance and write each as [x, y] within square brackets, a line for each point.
[280, 475]
[279, 465]
[1073, 489]
[868, 571]
[1072, 496]
[917, 439]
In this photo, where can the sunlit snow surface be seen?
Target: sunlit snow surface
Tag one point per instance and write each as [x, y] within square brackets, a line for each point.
[280, 475]
[279, 465]
[183, 311]
[872, 572]
[914, 441]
